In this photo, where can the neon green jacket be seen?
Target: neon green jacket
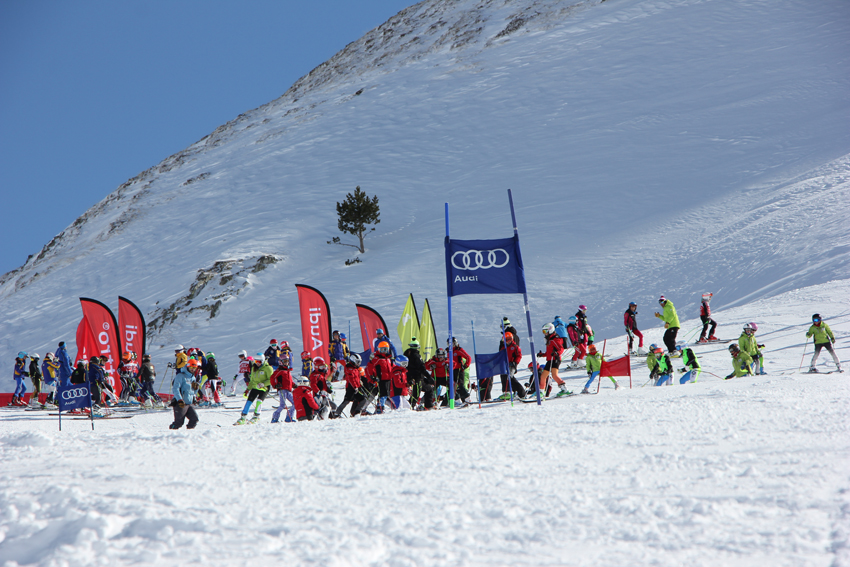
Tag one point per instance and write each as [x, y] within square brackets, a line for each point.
[260, 377]
[651, 362]
[593, 362]
[822, 333]
[741, 364]
[669, 316]
[748, 344]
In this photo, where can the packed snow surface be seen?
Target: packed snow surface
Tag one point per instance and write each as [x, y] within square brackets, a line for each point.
[750, 471]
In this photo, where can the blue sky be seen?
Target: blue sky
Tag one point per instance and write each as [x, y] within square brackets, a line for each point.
[92, 93]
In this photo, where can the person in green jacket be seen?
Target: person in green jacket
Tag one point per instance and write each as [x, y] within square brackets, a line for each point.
[593, 364]
[663, 369]
[747, 342]
[742, 362]
[671, 323]
[258, 386]
[824, 339]
[691, 370]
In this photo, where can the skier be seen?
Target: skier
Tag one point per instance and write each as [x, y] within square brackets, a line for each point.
[209, 371]
[20, 374]
[147, 375]
[651, 362]
[401, 390]
[708, 324]
[244, 370]
[671, 323]
[35, 376]
[554, 350]
[282, 381]
[305, 404]
[460, 365]
[184, 396]
[321, 388]
[747, 342]
[630, 321]
[380, 369]
[438, 367]
[258, 387]
[823, 339]
[127, 372]
[577, 340]
[663, 367]
[49, 369]
[286, 352]
[97, 382]
[80, 374]
[691, 369]
[272, 354]
[338, 353]
[381, 337]
[65, 369]
[306, 364]
[506, 327]
[593, 365]
[417, 375]
[352, 387]
[742, 363]
[583, 326]
[514, 358]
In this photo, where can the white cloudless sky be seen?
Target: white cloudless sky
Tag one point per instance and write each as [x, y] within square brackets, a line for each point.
[93, 93]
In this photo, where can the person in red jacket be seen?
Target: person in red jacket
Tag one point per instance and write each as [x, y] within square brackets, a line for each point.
[554, 350]
[630, 321]
[401, 390]
[352, 386]
[707, 321]
[579, 343]
[380, 368]
[438, 367]
[462, 361]
[514, 358]
[306, 407]
[281, 380]
[319, 384]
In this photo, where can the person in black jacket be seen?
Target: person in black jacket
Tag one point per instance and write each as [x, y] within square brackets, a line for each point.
[147, 376]
[506, 327]
[418, 378]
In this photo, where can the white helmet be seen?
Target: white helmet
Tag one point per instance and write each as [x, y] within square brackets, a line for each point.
[179, 348]
[548, 329]
[243, 354]
[259, 357]
[354, 359]
[303, 381]
[35, 356]
[748, 327]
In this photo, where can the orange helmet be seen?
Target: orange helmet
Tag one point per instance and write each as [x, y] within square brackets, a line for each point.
[193, 363]
[125, 357]
[384, 347]
[509, 337]
[591, 349]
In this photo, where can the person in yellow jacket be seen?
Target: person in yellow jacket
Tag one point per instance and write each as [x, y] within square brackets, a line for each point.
[593, 364]
[747, 342]
[671, 323]
[824, 339]
[258, 386]
[742, 363]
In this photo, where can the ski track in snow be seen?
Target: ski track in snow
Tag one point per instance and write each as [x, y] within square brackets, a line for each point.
[751, 471]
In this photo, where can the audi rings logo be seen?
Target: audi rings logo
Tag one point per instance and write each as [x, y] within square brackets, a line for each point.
[476, 259]
[74, 393]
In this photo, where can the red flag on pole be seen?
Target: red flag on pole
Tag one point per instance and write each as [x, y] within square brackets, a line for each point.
[104, 328]
[315, 320]
[617, 367]
[370, 321]
[86, 343]
[131, 323]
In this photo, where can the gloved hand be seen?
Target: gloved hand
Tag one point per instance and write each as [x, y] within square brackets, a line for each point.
[195, 385]
[181, 404]
[683, 370]
[657, 314]
[540, 353]
[666, 325]
[169, 365]
[730, 376]
[589, 374]
[760, 346]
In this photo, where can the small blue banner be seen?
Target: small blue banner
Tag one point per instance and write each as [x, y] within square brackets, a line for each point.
[484, 266]
[74, 396]
[487, 365]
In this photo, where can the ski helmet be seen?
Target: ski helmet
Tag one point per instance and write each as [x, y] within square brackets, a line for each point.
[816, 318]
[354, 359]
[747, 327]
[243, 354]
[548, 329]
[342, 337]
[304, 354]
[662, 300]
[384, 347]
[754, 327]
[284, 362]
[441, 353]
[146, 358]
[591, 349]
[35, 356]
[379, 331]
[631, 303]
[303, 381]
[211, 355]
[509, 337]
[273, 342]
[22, 354]
[125, 357]
[401, 360]
[179, 348]
[194, 363]
[652, 347]
[734, 347]
[414, 343]
[658, 352]
[284, 345]
[582, 307]
[573, 319]
[260, 357]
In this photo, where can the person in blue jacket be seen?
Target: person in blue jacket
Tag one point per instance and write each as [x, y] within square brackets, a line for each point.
[184, 396]
[65, 368]
[381, 337]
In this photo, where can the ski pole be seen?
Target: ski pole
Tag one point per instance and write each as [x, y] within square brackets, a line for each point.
[164, 374]
[802, 358]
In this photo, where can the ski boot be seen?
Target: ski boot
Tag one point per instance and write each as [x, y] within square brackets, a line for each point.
[585, 391]
[616, 385]
[255, 419]
[242, 420]
[813, 370]
[762, 372]
[563, 391]
[713, 338]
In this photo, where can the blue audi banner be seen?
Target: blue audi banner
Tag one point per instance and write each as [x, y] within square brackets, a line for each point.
[487, 365]
[484, 266]
[75, 396]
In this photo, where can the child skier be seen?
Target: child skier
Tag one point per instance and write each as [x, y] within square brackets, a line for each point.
[509, 382]
[272, 354]
[35, 376]
[671, 323]
[320, 387]
[306, 407]
[594, 367]
[460, 366]
[243, 373]
[663, 367]
[692, 369]
[282, 381]
[64, 360]
[823, 339]
[579, 344]
[258, 387]
[286, 352]
[708, 324]
[184, 397]
[742, 363]
[352, 387]
[747, 342]
[438, 366]
[50, 369]
[306, 364]
[380, 369]
[630, 321]
[20, 374]
[147, 375]
[400, 388]
[554, 350]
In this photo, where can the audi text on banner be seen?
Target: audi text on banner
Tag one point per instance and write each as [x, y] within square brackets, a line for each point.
[484, 266]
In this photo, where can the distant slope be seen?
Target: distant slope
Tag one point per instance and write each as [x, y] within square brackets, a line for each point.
[653, 147]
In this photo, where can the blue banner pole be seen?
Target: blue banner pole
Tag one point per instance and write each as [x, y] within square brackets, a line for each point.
[525, 305]
[451, 342]
[475, 356]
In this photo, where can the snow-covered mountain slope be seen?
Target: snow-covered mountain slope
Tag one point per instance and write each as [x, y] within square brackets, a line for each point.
[675, 147]
[751, 471]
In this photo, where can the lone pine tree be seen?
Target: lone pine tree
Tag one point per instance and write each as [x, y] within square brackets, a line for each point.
[355, 213]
